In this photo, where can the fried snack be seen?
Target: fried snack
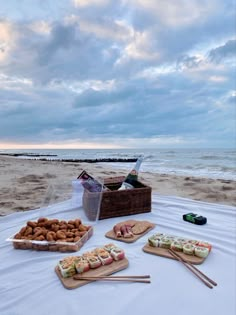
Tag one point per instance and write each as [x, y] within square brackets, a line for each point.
[32, 224]
[40, 238]
[51, 236]
[77, 238]
[40, 220]
[82, 228]
[22, 230]
[55, 227]
[60, 235]
[38, 231]
[53, 231]
[77, 223]
[28, 231]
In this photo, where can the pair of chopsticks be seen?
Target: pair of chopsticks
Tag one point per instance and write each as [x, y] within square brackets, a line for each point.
[140, 279]
[204, 278]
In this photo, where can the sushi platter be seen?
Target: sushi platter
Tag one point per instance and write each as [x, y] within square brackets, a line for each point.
[129, 231]
[102, 261]
[115, 266]
[192, 251]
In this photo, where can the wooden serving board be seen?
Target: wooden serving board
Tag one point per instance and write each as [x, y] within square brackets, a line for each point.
[111, 234]
[163, 252]
[115, 266]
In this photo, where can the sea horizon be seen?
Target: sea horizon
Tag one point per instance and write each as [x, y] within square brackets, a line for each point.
[215, 163]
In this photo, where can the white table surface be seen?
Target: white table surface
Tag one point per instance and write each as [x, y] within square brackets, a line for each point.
[29, 284]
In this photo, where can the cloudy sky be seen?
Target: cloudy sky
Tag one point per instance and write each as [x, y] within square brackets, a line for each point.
[117, 73]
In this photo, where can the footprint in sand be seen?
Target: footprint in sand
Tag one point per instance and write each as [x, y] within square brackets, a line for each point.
[30, 178]
[48, 175]
[189, 184]
[228, 188]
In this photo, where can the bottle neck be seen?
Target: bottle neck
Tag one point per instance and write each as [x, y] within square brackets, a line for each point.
[138, 164]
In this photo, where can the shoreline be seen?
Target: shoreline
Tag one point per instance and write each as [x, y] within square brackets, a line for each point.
[25, 183]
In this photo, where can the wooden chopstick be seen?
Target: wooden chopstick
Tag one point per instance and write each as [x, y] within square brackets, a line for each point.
[195, 268]
[114, 277]
[191, 268]
[140, 279]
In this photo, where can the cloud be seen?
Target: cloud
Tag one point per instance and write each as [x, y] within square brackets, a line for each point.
[41, 27]
[178, 14]
[85, 3]
[7, 38]
[228, 50]
[61, 38]
[122, 73]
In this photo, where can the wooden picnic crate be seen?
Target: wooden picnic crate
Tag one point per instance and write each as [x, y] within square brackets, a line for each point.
[116, 203]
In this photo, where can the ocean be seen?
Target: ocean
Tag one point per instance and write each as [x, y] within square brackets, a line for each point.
[208, 163]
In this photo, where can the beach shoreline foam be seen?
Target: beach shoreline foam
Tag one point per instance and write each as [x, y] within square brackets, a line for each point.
[24, 183]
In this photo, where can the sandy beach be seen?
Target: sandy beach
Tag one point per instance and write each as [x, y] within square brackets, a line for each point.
[25, 183]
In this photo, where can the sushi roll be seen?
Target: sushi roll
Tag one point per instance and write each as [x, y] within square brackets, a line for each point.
[155, 239]
[117, 253]
[170, 237]
[193, 242]
[201, 251]
[104, 256]
[205, 244]
[181, 240]
[67, 266]
[177, 246]
[93, 261]
[152, 241]
[108, 247]
[88, 254]
[81, 264]
[165, 242]
[158, 235]
[188, 249]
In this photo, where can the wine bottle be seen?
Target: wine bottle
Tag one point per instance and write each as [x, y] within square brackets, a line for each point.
[129, 181]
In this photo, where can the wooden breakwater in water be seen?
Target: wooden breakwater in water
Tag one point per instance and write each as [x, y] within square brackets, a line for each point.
[98, 160]
[113, 160]
[27, 154]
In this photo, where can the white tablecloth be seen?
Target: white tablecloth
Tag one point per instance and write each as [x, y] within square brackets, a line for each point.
[29, 284]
